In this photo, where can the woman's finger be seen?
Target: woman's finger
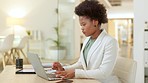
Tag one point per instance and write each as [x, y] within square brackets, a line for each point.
[57, 66]
[61, 73]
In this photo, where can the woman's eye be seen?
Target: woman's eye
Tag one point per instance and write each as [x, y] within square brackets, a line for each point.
[83, 24]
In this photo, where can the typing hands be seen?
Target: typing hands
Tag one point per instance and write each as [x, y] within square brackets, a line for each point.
[57, 66]
[61, 72]
[67, 74]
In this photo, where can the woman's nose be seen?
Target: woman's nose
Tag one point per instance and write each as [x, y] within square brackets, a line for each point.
[82, 28]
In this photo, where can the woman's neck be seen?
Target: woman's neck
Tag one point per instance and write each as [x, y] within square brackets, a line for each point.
[96, 34]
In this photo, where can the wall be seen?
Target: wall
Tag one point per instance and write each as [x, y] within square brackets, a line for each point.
[111, 28]
[41, 15]
[124, 11]
[38, 15]
[141, 15]
[77, 33]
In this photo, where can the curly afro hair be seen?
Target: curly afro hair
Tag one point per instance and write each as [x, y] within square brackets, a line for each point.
[93, 10]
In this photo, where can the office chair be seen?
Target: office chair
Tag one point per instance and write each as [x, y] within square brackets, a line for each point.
[125, 69]
[5, 48]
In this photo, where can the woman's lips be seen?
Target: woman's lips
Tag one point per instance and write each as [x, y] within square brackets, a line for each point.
[83, 32]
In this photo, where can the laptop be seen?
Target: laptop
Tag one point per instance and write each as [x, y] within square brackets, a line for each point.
[39, 69]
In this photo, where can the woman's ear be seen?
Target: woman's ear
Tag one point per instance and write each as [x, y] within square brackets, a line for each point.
[95, 23]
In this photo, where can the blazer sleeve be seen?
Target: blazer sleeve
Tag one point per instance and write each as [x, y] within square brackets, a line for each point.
[107, 65]
[77, 65]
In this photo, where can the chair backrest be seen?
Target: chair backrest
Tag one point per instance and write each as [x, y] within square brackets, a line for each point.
[125, 69]
[23, 42]
[7, 43]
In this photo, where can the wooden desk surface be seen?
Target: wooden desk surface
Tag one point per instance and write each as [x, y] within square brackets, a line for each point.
[8, 76]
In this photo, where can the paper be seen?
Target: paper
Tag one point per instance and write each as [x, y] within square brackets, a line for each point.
[25, 71]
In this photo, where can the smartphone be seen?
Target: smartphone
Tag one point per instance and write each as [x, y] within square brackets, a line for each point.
[65, 81]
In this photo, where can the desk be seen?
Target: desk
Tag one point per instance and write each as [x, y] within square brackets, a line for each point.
[8, 76]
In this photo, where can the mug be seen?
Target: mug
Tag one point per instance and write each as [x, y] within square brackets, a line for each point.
[19, 63]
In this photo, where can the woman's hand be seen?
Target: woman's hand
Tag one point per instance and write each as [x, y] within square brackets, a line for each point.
[57, 66]
[66, 74]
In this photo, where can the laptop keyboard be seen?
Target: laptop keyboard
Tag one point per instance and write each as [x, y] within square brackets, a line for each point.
[55, 78]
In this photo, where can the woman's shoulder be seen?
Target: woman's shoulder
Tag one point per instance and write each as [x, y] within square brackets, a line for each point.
[109, 38]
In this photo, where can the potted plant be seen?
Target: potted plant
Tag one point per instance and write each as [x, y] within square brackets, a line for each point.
[56, 52]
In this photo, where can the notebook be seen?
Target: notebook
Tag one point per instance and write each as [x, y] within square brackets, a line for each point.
[39, 70]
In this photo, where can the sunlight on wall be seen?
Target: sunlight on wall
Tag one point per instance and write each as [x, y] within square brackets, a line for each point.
[19, 8]
[15, 20]
[19, 30]
[18, 13]
[16, 24]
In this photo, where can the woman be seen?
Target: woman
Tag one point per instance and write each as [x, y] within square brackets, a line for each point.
[99, 51]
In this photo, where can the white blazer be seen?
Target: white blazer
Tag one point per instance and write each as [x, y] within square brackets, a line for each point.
[101, 59]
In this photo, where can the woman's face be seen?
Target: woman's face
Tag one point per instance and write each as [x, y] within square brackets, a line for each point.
[87, 26]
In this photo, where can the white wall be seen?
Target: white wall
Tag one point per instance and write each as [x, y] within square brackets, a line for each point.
[42, 17]
[77, 32]
[39, 14]
[124, 11]
[141, 15]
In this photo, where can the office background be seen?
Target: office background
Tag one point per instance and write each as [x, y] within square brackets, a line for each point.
[41, 16]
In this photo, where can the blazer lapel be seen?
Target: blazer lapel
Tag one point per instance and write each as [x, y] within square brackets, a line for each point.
[95, 45]
[83, 62]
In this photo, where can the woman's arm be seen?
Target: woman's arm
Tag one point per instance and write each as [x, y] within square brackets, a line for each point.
[77, 65]
[107, 65]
